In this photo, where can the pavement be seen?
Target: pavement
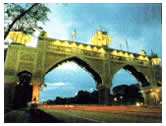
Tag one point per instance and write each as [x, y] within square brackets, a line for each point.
[85, 114]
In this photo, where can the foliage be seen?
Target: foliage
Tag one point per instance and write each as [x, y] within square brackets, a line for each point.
[24, 17]
[83, 97]
[43, 34]
[127, 94]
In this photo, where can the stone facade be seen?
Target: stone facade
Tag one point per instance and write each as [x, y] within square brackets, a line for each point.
[101, 62]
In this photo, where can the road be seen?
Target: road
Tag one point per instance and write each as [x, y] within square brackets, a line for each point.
[103, 114]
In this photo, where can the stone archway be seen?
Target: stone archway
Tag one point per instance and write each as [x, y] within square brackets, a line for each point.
[81, 63]
[138, 75]
[135, 72]
[101, 62]
[149, 92]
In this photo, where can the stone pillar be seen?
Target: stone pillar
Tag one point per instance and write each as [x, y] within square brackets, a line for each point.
[160, 95]
[152, 96]
[9, 96]
[146, 95]
[104, 93]
[35, 93]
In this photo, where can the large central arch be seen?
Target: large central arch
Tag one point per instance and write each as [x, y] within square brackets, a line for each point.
[81, 63]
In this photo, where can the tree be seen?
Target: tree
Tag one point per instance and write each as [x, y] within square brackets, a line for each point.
[128, 94]
[24, 17]
[83, 97]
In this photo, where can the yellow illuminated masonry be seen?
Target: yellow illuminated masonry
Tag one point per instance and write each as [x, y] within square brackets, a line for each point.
[98, 59]
[101, 39]
[19, 37]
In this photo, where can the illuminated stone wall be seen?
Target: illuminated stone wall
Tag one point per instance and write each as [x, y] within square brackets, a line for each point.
[104, 61]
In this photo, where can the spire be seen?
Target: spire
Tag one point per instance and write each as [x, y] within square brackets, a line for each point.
[74, 35]
[127, 46]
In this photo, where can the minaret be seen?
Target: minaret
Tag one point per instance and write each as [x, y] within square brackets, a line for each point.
[74, 35]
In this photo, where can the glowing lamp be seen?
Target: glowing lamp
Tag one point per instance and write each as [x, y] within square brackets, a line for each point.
[138, 104]
[66, 43]
[88, 47]
[54, 42]
[35, 94]
[147, 59]
[157, 90]
[152, 93]
[121, 97]
[141, 57]
[126, 55]
[95, 49]
[74, 45]
[58, 42]
[102, 50]
[131, 56]
[114, 53]
[115, 99]
[81, 46]
[120, 54]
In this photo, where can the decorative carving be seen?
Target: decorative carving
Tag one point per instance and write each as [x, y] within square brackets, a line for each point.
[26, 56]
[39, 59]
[97, 64]
[23, 58]
[10, 72]
[25, 66]
[60, 49]
[90, 53]
[115, 67]
[53, 58]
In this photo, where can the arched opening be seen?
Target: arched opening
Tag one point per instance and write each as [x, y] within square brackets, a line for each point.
[127, 86]
[138, 75]
[83, 64]
[71, 81]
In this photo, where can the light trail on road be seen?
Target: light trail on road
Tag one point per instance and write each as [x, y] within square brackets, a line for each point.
[102, 114]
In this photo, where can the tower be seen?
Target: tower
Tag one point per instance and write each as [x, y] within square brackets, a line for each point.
[101, 38]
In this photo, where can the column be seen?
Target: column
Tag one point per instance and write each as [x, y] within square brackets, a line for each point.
[9, 96]
[146, 95]
[35, 93]
[151, 96]
[104, 93]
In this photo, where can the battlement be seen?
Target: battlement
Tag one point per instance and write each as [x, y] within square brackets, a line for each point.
[114, 53]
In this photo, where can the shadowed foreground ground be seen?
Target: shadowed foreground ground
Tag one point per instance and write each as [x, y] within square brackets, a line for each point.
[85, 114]
[31, 116]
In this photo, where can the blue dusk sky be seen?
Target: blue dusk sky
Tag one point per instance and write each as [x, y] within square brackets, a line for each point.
[139, 24]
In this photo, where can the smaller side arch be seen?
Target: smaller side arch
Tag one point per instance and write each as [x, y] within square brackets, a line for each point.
[137, 74]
